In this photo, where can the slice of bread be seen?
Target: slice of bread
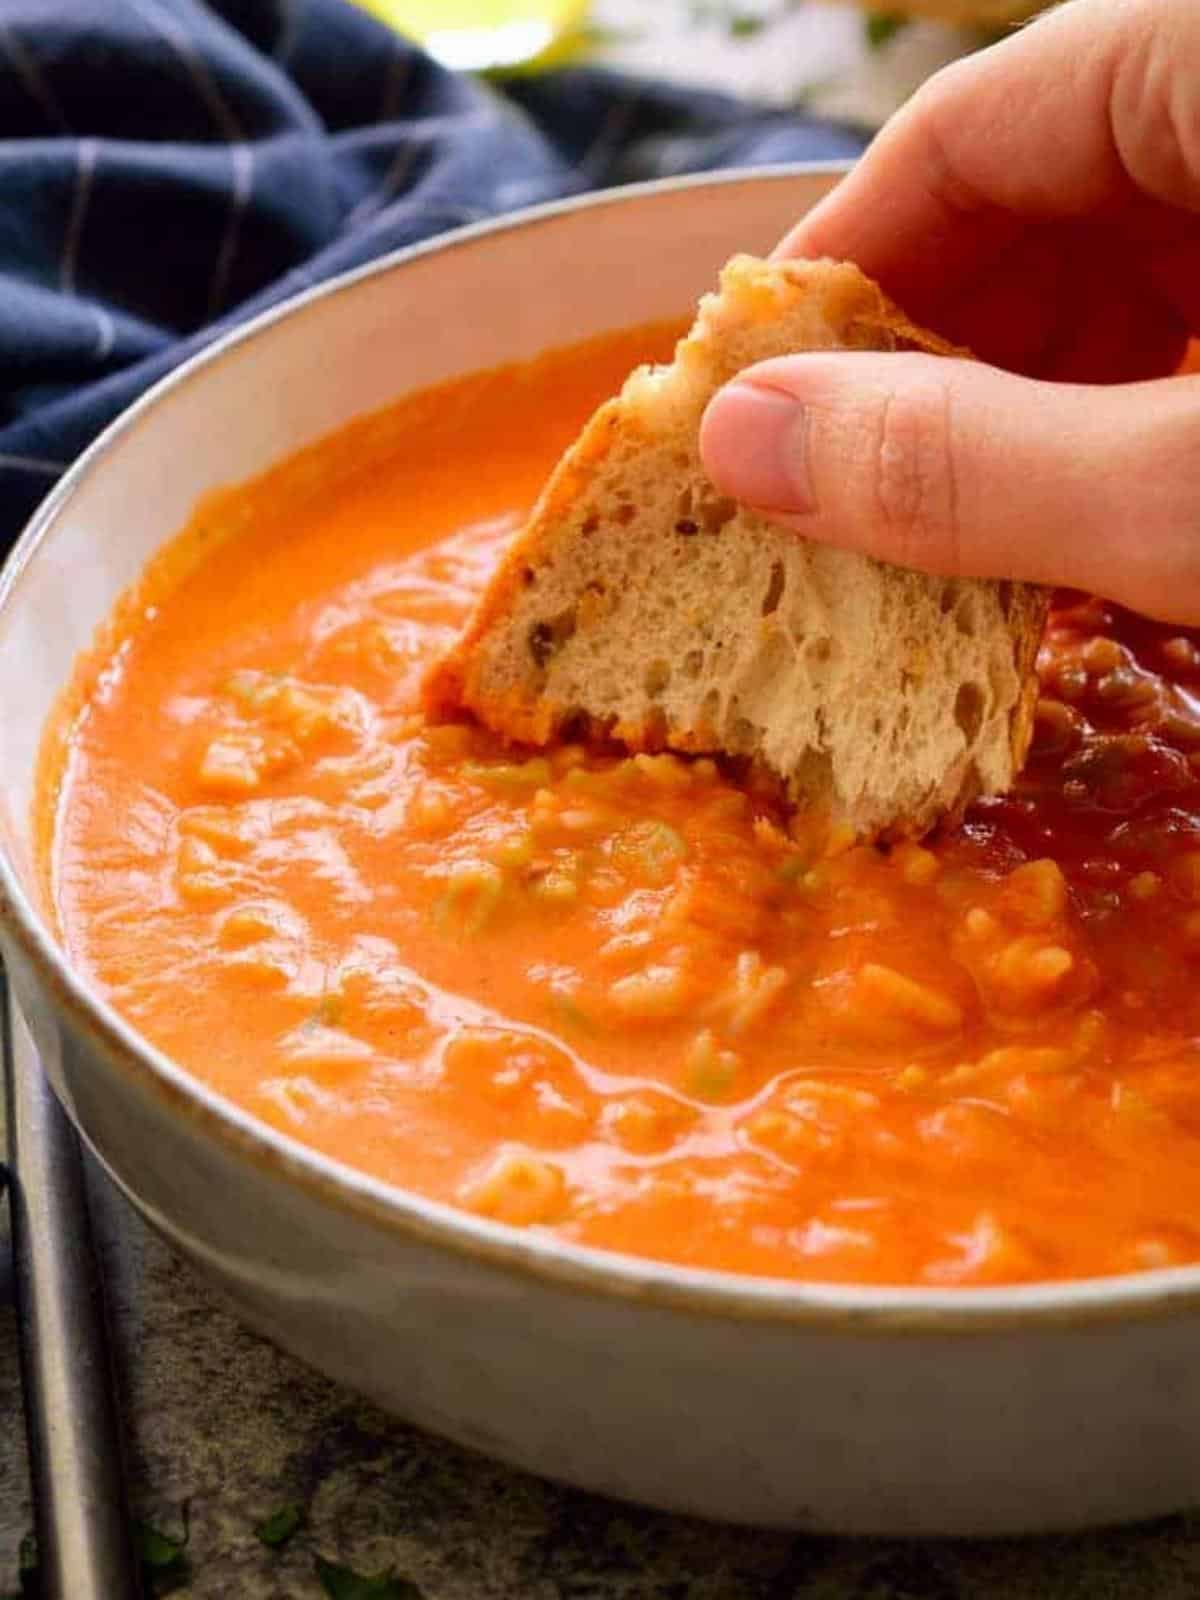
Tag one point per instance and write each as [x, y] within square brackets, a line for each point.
[638, 604]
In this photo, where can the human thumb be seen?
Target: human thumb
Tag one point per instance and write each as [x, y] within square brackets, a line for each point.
[956, 468]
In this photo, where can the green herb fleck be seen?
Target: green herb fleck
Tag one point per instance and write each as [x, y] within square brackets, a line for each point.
[533, 774]
[28, 1572]
[275, 1531]
[571, 1015]
[558, 885]
[339, 1583]
[670, 839]
[253, 691]
[474, 890]
[652, 848]
[709, 1071]
[157, 1549]
[517, 850]
[329, 1011]
[163, 1558]
[745, 26]
[242, 686]
[883, 26]
[581, 778]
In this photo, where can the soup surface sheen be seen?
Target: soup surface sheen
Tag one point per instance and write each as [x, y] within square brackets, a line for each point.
[610, 997]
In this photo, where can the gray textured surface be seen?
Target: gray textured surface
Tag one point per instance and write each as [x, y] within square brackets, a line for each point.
[223, 1422]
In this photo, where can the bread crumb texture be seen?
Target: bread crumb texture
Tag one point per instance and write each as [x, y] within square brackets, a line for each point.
[639, 604]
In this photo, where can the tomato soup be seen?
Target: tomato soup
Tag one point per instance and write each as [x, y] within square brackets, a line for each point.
[612, 998]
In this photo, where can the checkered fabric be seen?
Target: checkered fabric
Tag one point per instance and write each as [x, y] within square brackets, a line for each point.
[169, 168]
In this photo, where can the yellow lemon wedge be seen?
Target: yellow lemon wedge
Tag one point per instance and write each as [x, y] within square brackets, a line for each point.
[487, 35]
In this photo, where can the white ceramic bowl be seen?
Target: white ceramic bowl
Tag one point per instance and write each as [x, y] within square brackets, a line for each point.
[861, 1410]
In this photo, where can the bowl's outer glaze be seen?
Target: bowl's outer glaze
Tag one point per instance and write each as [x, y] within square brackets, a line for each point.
[889, 1412]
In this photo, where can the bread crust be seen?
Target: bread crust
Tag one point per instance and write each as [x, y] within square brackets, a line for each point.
[658, 410]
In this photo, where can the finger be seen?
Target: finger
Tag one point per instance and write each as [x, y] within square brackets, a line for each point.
[1071, 305]
[1174, 271]
[1008, 311]
[1113, 338]
[1012, 135]
[956, 468]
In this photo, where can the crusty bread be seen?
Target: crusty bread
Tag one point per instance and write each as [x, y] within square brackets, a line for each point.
[640, 605]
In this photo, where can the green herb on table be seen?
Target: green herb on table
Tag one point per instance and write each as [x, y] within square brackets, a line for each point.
[163, 1561]
[28, 1573]
[163, 1558]
[339, 1583]
[275, 1531]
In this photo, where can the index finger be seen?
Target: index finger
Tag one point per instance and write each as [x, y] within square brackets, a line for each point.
[1020, 133]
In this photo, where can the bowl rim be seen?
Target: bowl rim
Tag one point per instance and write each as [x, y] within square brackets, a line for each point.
[555, 1263]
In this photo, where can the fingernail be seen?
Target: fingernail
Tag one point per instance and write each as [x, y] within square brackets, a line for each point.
[754, 447]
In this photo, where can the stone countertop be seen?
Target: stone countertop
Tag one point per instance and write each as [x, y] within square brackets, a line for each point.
[225, 1429]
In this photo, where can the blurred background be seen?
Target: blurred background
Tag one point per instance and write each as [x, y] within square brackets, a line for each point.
[232, 152]
[847, 62]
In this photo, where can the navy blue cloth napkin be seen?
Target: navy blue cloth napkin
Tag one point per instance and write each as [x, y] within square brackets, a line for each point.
[169, 167]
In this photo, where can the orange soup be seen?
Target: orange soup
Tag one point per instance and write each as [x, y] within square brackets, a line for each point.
[612, 998]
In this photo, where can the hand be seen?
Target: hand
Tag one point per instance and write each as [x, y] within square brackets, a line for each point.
[1040, 203]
